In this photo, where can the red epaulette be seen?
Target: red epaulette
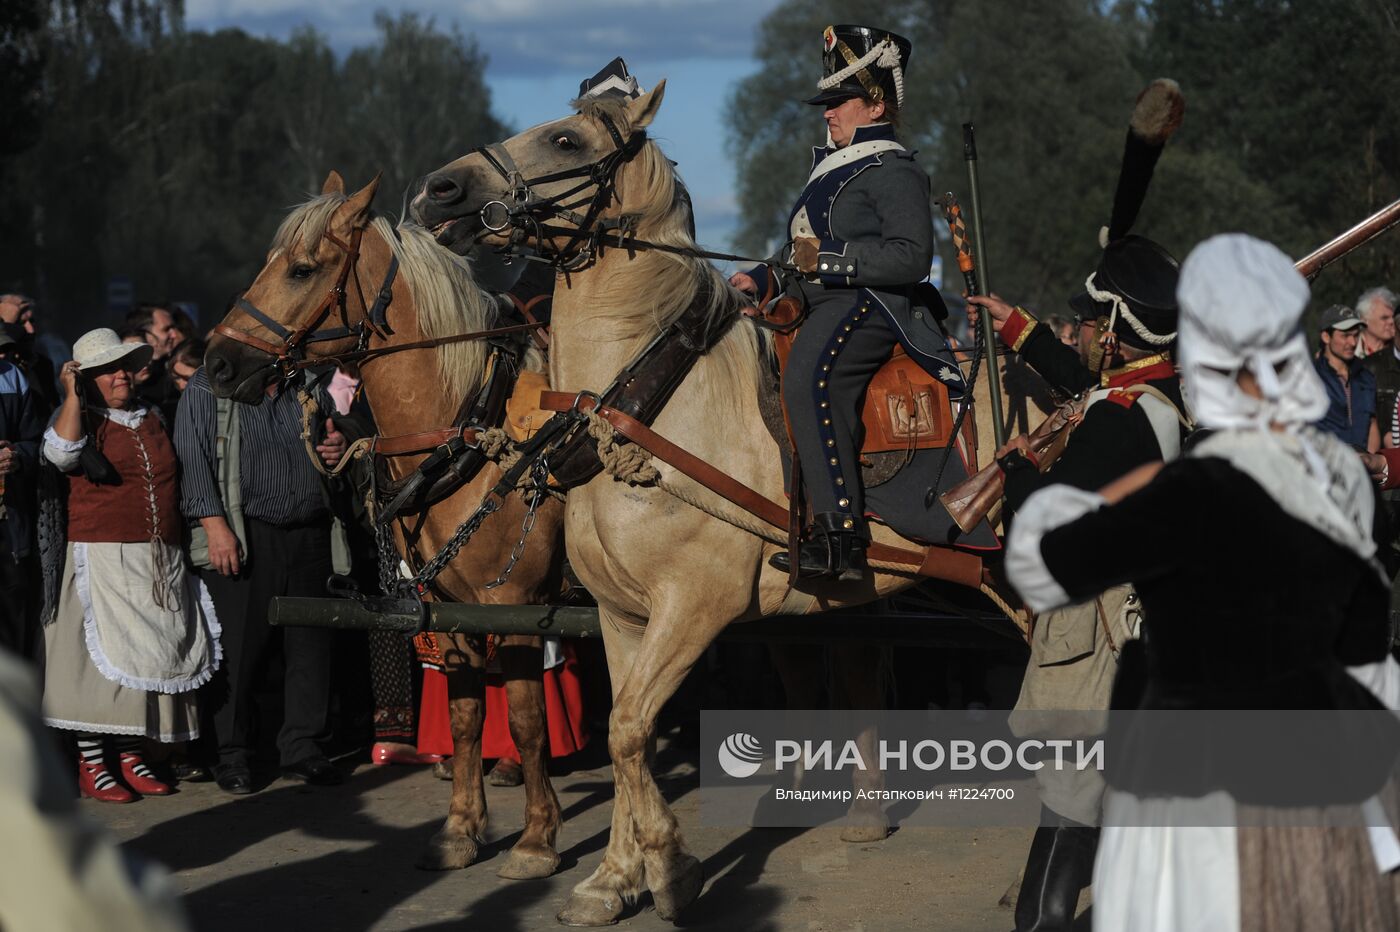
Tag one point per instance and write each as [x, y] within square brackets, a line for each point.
[1121, 398]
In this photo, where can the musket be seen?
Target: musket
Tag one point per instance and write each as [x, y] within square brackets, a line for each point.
[1365, 231]
[988, 333]
[973, 499]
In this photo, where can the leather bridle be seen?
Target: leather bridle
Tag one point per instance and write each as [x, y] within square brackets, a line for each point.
[290, 354]
[525, 210]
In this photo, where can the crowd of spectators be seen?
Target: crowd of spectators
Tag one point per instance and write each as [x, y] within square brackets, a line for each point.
[144, 527]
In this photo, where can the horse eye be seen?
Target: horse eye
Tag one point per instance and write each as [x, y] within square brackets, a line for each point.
[302, 271]
[565, 142]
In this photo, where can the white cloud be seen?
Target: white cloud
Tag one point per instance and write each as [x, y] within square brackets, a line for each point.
[524, 36]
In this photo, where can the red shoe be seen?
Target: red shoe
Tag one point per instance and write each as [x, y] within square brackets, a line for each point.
[393, 752]
[146, 784]
[88, 775]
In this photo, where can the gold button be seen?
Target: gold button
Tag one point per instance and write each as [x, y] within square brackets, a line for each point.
[848, 524]
[848, 328]
[826, 421]
[840, 481]
[833, 352]
[826, 368]
[833, 461]
[864, 308]
[821, 384]
[831, 443]
[844, 502]
[826, 404]
[840, 339]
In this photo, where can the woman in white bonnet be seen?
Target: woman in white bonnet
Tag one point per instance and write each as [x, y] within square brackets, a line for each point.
[1255, 561]
[133, 634]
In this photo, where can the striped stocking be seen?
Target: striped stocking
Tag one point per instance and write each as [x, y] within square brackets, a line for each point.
[131, 744]
[90, 750]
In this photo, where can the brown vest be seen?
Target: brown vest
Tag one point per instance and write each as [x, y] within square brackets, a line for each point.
[145, 504]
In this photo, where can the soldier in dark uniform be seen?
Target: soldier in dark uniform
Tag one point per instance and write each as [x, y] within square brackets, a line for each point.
[1134, 415]
[862, 241]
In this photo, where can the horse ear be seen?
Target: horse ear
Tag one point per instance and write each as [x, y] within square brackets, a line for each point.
[642, 111]
[355, 211]
[334, 184]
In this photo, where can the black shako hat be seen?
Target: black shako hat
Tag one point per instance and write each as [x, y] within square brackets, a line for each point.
[1135, 284]
[862, 61]
[613, 80]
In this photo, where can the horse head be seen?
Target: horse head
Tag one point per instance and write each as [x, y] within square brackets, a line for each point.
[308, 301]
[546, 188]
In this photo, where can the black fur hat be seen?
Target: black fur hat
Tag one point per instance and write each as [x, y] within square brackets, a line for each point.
[862, 61]
[1140, 272]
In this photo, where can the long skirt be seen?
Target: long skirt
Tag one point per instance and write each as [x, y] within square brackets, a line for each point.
[1271, 874]
[109, 639]
[563, 700]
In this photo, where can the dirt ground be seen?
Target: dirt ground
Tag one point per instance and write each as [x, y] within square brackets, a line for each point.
[341, 858]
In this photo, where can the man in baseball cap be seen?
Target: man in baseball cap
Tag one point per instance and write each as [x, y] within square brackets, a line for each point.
[1351, 387]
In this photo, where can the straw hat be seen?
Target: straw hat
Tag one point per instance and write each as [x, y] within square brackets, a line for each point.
[102, 347]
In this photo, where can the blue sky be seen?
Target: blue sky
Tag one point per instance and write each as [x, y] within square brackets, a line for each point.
[540, 49]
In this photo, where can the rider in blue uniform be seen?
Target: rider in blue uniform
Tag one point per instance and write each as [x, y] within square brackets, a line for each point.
[862, 240]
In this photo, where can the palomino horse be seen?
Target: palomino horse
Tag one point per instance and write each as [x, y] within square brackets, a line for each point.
[668, 577]
[433, 296]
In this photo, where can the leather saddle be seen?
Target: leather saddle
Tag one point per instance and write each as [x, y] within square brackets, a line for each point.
[906, 409]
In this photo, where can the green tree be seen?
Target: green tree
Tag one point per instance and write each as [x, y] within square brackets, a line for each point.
[171, 155]
[1292, 127]
[418, 99]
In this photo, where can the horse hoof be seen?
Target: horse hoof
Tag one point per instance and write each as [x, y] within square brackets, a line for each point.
[675, 896]
[529, 865]
[447, 854]
[588, 910]
[443, 769]
[863, 826]
[506, 773]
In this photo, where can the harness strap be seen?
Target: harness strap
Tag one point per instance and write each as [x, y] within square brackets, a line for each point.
[422, 442]
[937, 562]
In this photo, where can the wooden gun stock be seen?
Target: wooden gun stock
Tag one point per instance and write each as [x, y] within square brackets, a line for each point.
[973, 499]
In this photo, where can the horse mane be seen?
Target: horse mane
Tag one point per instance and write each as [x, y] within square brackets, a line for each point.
[655, 294]
[446, 298]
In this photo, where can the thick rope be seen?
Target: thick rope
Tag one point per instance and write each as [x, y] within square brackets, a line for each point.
[499, 447]
[625, 462]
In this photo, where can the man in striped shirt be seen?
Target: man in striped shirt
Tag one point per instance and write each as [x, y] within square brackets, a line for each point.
[265, 509]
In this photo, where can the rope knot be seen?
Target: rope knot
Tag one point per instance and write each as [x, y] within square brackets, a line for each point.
[624, 461]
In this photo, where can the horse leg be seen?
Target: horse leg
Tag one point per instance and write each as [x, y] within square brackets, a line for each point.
[598, 900]
[522, 658]
[800, 668]
[857, 686]
[674, 642]
[456, 844]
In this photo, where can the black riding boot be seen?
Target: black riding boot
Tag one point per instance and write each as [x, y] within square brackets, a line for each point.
[1061, 863]
[829, 551]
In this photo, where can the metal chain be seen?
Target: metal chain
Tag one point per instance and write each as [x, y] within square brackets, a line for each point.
[449, 550]
[388, 559]
[539, 491]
